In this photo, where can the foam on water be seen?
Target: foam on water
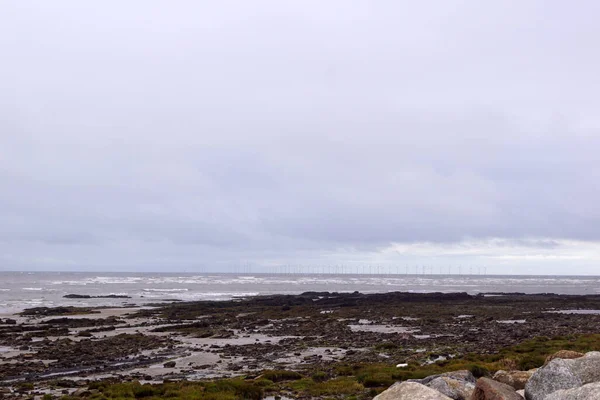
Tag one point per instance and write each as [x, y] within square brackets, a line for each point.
[72, 283]
[199, 296]
[114, 280]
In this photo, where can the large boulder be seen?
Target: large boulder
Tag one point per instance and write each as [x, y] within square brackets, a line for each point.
[410, 391]
[564, 354]
[555, 376]
[561, 374]
[454, 388]
[516, 379]
[458, 385]
[489, 389]
[587, 368]
[585, 392]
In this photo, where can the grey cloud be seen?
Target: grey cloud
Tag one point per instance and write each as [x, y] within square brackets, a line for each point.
[141, 132]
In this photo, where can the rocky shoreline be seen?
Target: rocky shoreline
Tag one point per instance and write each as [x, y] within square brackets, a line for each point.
[359, 343]
[566, 375]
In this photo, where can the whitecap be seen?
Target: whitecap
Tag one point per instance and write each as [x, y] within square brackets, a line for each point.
[70, 283]
[114, 279]
[229, 294]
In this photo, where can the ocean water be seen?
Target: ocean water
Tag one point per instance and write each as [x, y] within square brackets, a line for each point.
[20, 290]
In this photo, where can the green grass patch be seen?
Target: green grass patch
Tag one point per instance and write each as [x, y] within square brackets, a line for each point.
[225, 389]
[281, 375]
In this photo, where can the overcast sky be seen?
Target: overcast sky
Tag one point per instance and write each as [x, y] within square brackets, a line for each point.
[181, 135]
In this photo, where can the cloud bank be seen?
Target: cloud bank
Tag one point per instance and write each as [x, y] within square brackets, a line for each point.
[155, 136]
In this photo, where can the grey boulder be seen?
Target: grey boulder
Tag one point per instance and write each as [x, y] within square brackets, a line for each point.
[587, 368]
[458, 385]
[410, 391]
[560, 374]
[585, 392]
[453, 388]
[556, 375]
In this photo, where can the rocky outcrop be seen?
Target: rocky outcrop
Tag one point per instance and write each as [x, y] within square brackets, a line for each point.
[489, 389]
[410, 391]
[516, 379]
[585, 392]
[574, 377]
[560, 374]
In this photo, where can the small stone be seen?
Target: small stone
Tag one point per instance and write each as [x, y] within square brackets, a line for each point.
[170, 364]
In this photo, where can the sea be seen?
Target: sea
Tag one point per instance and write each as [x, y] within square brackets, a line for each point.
[21, 290]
